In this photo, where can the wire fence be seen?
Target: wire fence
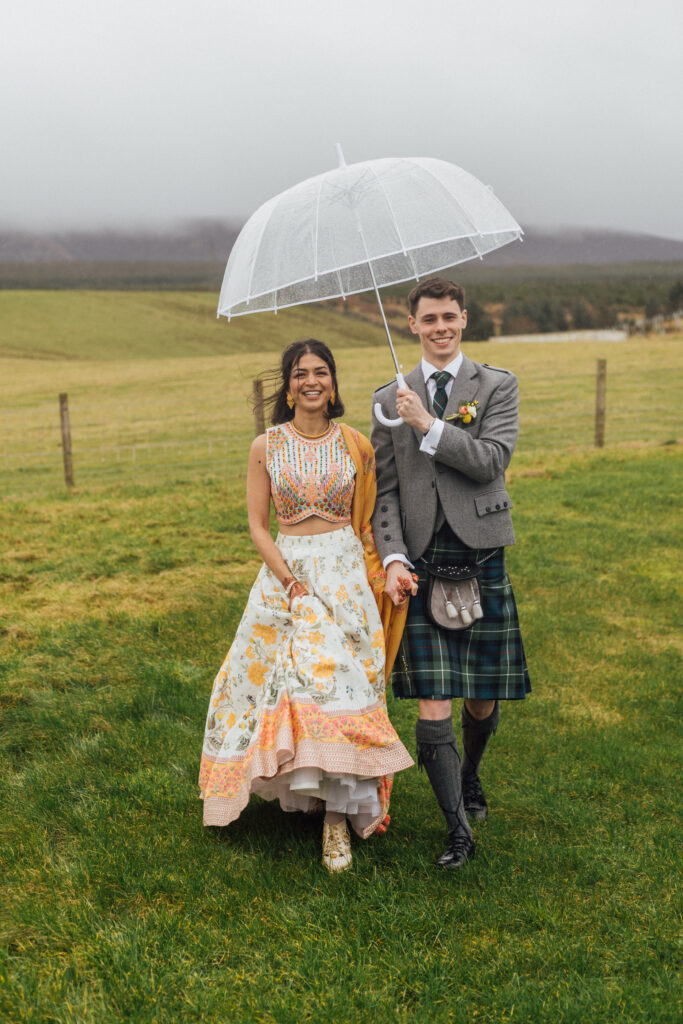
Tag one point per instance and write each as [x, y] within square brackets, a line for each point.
[179, 434]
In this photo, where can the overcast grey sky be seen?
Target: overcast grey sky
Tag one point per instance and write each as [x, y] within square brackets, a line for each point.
[145, 112]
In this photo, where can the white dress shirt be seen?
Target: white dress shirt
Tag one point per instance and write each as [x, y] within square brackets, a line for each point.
[431, 439]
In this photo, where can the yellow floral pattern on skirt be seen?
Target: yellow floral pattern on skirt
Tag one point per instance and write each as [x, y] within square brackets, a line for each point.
[301, 689]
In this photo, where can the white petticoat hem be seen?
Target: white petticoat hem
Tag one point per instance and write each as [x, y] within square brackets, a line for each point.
[355, 796]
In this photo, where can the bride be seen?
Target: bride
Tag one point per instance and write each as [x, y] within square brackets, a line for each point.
[298, 709]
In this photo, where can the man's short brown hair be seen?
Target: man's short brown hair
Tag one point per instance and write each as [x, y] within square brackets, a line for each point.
[436, 288]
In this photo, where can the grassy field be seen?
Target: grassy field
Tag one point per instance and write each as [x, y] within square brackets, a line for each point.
[118, 906]
[117, 604]
[158, 388]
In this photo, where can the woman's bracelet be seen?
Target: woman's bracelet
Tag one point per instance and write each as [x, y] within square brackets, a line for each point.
[295, 589]
[289, 582]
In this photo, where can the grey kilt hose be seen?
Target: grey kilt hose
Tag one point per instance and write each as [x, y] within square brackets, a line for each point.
[485, 661]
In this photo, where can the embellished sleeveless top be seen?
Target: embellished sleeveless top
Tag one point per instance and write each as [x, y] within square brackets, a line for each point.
[309, 477]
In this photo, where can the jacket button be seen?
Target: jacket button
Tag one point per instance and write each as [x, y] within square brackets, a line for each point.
[505, 504]
[497, 506]
[385, 508]
[488, 508]
[384, 523]
[387, 536]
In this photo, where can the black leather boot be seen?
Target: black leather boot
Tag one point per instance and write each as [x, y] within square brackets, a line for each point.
[437, 752]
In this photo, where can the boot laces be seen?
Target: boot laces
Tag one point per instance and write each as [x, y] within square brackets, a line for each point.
[459, 841]
[472, 791]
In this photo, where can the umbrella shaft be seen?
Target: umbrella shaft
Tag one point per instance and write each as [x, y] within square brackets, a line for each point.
[379, 300]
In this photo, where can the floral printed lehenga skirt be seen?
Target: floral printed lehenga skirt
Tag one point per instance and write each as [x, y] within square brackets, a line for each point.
[298, 709]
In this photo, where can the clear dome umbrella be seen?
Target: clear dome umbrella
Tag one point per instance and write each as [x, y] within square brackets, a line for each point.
[360, 227]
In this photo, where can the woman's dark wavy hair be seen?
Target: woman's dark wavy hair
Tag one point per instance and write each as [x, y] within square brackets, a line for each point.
[277, 401]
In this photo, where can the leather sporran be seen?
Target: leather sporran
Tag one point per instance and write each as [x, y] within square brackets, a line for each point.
[453, 599]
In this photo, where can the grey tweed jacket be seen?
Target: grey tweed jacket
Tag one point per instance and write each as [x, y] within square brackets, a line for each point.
[465, 478]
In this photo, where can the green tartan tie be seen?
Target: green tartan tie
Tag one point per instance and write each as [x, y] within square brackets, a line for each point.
[440, 398]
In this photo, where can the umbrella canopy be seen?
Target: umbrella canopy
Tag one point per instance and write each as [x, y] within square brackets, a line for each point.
[359, 227]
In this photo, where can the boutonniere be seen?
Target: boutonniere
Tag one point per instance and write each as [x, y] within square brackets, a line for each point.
[467, 412]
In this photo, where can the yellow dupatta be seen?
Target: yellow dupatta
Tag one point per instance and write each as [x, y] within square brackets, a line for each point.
[393, 618]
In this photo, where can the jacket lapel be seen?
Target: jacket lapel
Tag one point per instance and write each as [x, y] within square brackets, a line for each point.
[465, 386]
[415, 382]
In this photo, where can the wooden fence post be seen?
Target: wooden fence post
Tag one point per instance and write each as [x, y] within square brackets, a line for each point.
[257, 402]
[600, 403]
[66, 439]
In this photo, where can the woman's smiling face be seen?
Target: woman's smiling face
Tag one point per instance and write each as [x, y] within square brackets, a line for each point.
[311, 384]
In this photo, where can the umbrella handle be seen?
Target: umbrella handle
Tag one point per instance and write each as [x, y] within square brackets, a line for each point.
[379, 414]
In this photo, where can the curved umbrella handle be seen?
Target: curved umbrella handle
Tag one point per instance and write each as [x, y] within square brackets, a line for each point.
[379, 414]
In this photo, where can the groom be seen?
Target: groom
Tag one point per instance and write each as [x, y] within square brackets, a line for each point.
[441, 498]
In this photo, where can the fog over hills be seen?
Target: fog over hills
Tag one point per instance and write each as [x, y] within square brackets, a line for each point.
[197, 240]
[547, 246]
[211, 241]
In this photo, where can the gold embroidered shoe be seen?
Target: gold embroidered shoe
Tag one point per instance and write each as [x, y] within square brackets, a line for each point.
[336, 847]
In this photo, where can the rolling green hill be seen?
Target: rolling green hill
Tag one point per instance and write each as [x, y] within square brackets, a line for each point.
[104, 325]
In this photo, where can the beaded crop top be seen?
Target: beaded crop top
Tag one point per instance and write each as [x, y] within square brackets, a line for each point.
[309, 477]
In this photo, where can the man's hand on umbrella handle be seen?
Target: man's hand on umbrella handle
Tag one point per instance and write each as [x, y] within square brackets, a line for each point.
[412, 411]
[401, 583]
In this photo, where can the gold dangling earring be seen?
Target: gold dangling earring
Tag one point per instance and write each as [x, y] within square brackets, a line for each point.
[290, 400]
[333, 397]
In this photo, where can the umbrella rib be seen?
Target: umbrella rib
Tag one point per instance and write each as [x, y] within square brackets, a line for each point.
[315, 234]
[395, 220]
[458, 203]
[256, 252]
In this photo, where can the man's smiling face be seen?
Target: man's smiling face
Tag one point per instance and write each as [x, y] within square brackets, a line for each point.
[439, 324]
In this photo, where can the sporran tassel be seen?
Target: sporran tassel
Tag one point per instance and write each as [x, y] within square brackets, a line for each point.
[464, 614]
[477, 612]
[451, 610]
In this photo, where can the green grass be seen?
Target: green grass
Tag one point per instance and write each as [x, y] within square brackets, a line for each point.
[116, 905]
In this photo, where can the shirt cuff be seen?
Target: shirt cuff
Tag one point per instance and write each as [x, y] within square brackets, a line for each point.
[397, 558]
[430, 442]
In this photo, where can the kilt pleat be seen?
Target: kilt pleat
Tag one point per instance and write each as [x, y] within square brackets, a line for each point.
[485, 661]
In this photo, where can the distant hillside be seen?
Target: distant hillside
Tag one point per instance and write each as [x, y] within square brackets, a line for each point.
[543, 247]
[211, 242]
[204, 241]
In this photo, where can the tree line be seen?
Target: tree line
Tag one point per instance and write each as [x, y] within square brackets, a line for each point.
[535, 307]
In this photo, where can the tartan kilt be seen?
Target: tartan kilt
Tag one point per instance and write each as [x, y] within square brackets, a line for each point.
[485, 661]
